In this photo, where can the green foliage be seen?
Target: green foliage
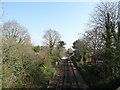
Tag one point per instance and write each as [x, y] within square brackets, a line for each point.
[59, 50]
[61, 44]
[40, 77]
[70, 51]
[22, 67]
[102, 42]
[36, 48]
[80, 52]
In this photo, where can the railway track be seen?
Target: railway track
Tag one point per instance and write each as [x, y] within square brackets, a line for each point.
[75, 78]
[66, 77]
[69, 79]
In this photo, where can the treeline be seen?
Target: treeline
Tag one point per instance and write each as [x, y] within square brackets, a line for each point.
[100, 43]
[25, 65]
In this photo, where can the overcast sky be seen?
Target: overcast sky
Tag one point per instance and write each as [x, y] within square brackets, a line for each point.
[68, 18]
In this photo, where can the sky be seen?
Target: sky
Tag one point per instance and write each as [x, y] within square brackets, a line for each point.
[67, 18]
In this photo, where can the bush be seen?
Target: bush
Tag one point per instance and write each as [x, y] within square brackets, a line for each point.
[36, 48]
[21, 66]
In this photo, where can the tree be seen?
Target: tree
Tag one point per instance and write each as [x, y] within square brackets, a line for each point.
[94, 42]
[36, 48]
[80, 48]
[102, 39]
[16, 54]
[51, 38]
[61, 44]
[60, 49]
[109, 28]
[101, 10]
[0, 55]
[13, 30]
[106, 19]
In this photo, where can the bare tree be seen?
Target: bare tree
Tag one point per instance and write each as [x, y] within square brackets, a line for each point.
[12, 29]
[94, 41]
[51, 38]
[98, 23]
[100, 15]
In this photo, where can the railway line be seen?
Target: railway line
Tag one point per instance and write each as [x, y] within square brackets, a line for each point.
[65, 76]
